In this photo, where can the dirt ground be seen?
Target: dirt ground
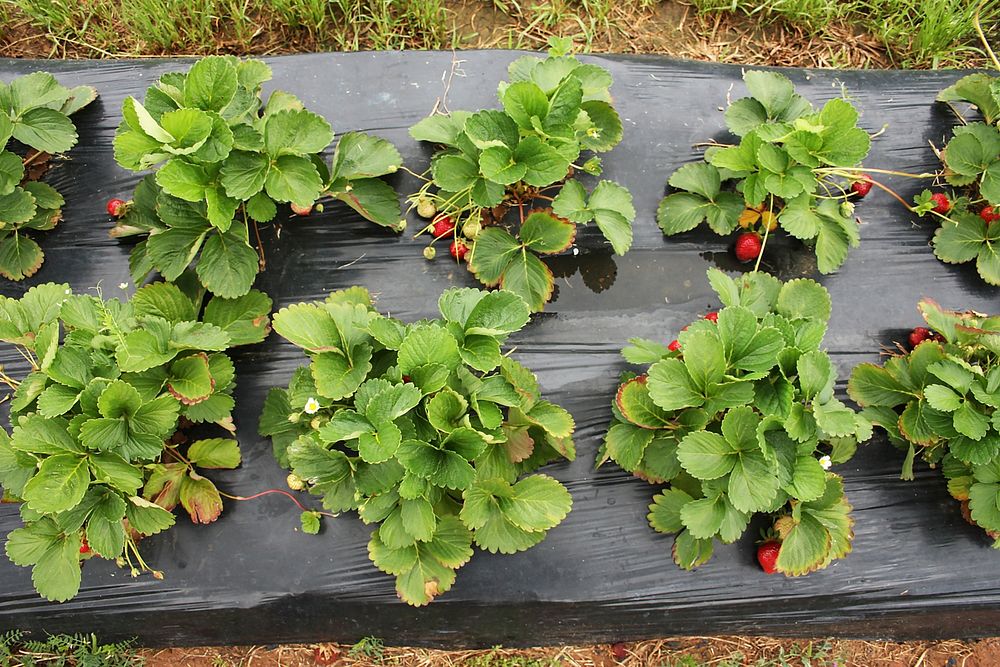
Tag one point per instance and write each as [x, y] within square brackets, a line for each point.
[669, 28]
[674, 28]
[686, 652]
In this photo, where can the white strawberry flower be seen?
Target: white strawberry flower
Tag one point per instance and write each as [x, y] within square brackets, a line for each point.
[826, 462]
[312, 406]
[122, 285]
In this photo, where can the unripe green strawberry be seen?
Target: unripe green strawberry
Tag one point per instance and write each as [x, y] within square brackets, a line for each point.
[295, 483]
[471, 229]
[426, 208]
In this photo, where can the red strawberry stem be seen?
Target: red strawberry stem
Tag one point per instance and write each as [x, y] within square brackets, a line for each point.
[261, 259]
[893, 193]
[279, 491]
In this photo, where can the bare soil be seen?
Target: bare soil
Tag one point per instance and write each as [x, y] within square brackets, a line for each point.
[705, 651]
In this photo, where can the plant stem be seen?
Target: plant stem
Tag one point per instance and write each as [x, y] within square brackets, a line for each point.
[29, 160]
[979, 31]
[422, 177]
[767, 231]
[262, 263]
[851, 171]
[172, 449]
[893, 193]
[280, 492]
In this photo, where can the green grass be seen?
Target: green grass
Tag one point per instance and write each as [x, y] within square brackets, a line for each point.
[65, 651]
[813, 654]
[916, 33]
[207, 26]
[496, 659]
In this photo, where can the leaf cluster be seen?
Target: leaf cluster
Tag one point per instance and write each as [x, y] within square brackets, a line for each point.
[225, 158]
[735, 421]
[96, 453]
[496, 161]
[784, 172]
[425, 429]
[972, 162]
[34, 111]
[940, 402]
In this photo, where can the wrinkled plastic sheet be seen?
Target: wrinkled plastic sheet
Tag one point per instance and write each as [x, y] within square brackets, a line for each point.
[917, 570]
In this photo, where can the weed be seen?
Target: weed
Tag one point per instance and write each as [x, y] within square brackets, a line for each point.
[916, 33]
[913, 33]
[368, 647]
[65, 651]
[497, 659]
[813, 654]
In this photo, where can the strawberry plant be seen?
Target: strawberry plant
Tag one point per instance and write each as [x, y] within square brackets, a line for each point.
[740, 418]
[793, 168]
[971, 162]
[505, 179]
[100, 453]
[34, 112]
[939, 401]
[224, 158]
[425, 429]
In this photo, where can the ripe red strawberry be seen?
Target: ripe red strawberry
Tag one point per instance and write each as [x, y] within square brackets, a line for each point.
[862, 186]
[117, 207]
[458, 249]
[442, 227]
[941, 202]
[919, 335]
[767, 556]
[989, 214]
[301, 210]
[674, 346]
[712, 317]
[619, 651]
[748, 247]
[84, 547]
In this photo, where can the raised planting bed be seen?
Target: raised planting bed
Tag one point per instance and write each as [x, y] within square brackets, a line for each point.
[917, 568]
